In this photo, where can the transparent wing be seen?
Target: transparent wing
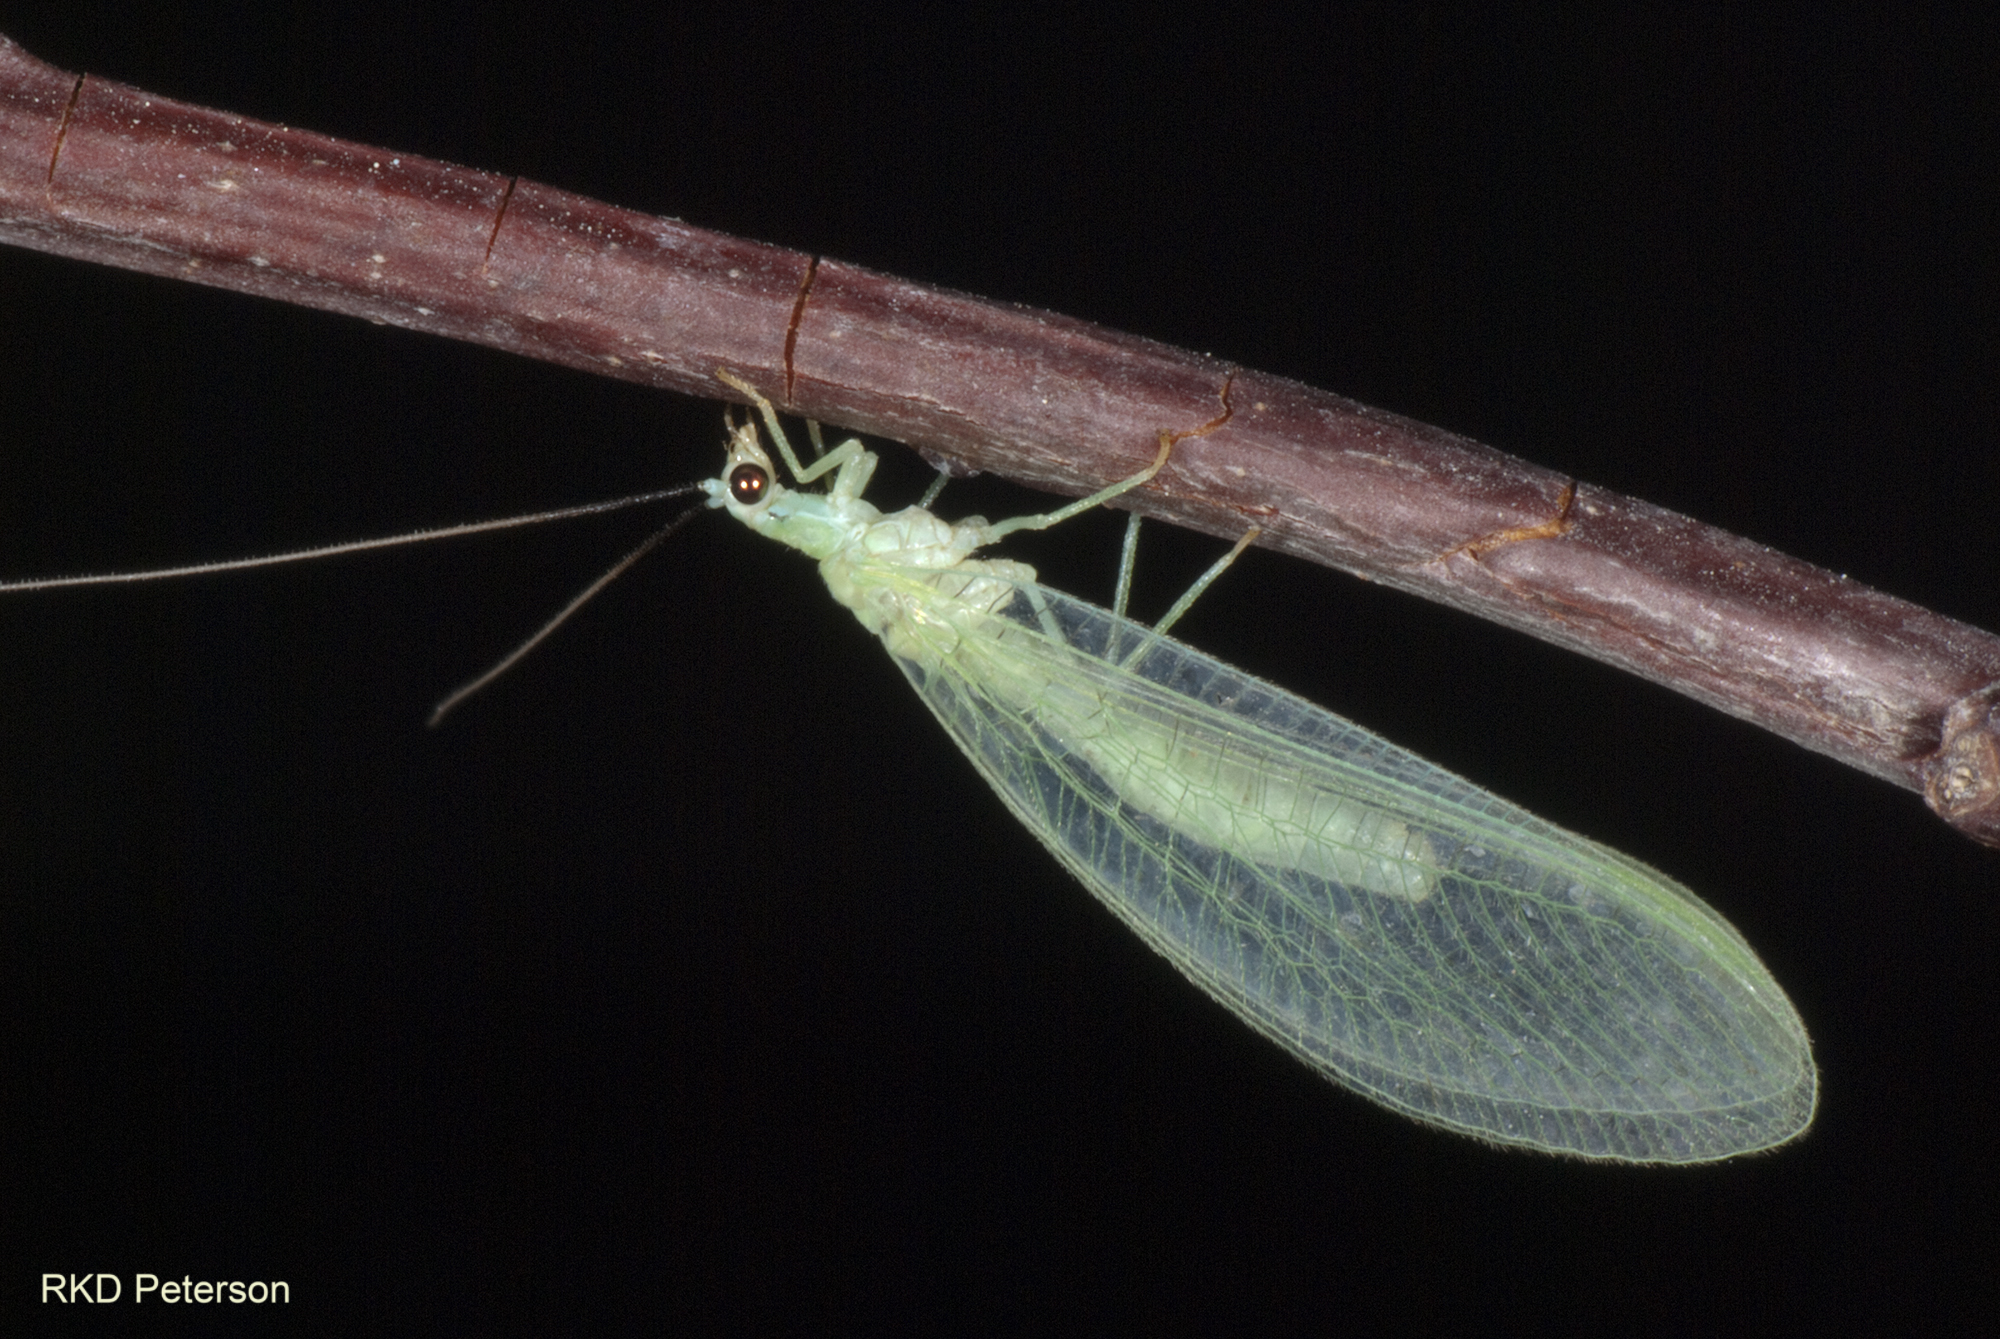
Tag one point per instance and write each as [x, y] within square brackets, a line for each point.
[1402, 931]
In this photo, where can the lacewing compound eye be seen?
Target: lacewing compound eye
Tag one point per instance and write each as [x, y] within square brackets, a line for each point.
[748, 484]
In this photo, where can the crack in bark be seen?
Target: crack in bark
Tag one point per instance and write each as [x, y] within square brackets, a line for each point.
[792, 326]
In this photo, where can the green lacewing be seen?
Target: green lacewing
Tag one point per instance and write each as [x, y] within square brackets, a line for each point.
[1405, 933]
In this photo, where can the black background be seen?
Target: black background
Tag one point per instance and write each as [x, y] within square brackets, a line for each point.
[689, 977]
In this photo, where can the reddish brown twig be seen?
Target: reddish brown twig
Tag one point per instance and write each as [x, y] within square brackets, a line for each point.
[103, 172]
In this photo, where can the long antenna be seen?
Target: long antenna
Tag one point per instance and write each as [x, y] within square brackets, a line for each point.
[349, 546]
[583, 597]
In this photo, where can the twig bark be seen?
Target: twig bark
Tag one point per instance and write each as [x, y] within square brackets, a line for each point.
[103, 172]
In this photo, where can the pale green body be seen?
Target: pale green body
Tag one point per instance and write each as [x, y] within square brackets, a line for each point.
[1400, 930]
